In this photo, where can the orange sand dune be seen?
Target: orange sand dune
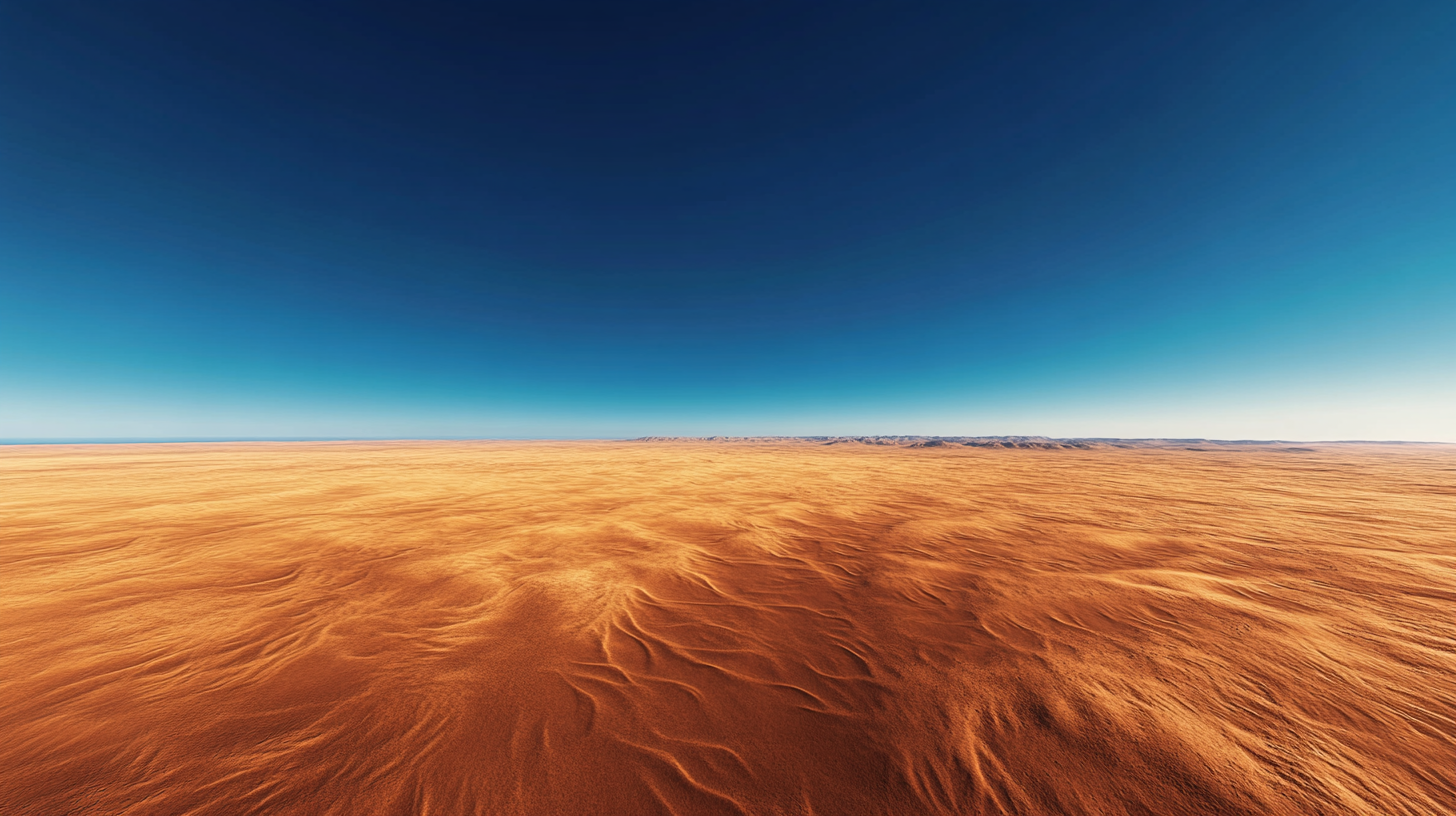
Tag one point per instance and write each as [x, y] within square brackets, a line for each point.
[681, 627]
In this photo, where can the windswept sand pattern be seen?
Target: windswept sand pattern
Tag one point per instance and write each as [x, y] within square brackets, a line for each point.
[697, 628]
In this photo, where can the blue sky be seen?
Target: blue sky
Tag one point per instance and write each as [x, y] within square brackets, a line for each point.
[1230, 220]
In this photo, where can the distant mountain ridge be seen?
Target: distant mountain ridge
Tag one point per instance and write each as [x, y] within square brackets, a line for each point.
[1022, 442]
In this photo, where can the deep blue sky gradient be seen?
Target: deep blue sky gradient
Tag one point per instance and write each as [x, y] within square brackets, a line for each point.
[550, 219]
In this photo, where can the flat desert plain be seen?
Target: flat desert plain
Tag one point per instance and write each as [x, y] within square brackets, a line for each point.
[744, 627]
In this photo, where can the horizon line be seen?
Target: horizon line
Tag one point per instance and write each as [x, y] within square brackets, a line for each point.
[185, 440]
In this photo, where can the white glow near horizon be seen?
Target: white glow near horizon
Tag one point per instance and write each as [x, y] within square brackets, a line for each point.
[1423, 415]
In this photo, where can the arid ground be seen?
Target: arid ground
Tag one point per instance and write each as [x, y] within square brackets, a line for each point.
[741, 627]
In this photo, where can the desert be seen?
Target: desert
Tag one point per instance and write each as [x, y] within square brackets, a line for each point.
[805, 626]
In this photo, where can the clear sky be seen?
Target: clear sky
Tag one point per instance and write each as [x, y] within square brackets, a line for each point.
[1222, 219]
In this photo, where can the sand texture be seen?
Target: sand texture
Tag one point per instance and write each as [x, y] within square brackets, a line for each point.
[753, 627]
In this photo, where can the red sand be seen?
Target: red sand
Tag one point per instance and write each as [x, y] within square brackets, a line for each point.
[454, 628]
